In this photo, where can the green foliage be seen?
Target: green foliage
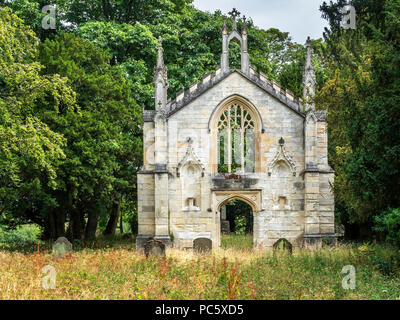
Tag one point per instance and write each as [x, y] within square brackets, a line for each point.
[240, 216]
[362, 95]
[104, 143]
[132, 48]
[388, 222]
[77, 12]
[31, 13]
[240, 225]
[23, 236]
[29, 148]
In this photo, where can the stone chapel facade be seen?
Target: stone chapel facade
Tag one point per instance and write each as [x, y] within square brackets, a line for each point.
[235, 135]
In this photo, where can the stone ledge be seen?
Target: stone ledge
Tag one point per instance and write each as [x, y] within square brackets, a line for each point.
[241, 183]
[160, 168]
[316, 170]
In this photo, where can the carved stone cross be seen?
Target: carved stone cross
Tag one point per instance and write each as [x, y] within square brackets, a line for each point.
[234, 14]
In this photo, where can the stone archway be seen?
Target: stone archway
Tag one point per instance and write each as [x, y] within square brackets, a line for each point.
[251, 197]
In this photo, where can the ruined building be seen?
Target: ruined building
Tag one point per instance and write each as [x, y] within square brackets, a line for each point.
[235, 135]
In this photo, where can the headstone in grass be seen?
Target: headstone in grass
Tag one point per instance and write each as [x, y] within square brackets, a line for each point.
[202, 245]
[283, 245]
[225, 227]
[154, 248]
[61, 247]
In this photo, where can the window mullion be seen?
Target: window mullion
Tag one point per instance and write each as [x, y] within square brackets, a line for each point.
[229, 142]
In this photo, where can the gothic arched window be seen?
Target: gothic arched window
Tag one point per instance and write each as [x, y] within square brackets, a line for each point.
[236, 126]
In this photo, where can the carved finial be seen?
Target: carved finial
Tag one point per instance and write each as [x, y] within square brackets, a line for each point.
[309, 65]
[234, 14]
[160, 79]
[160, 54]
[309, 79]
[281, 141]
[244, 27]
[224, 27]
[189, 141]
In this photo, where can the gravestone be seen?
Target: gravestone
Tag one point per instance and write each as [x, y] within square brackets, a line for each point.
[155, 248]
[225, 227]
[61, 247]
[202, 245]
[339, 230]
[283, 245]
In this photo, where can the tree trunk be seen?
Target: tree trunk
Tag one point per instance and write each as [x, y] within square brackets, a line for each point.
[113, 221]
[77, 224]
[59, 216]
[121, 225]
[50, 227]
[91, 226]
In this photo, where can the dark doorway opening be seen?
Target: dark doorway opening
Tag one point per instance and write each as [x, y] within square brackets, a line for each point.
[237, 218]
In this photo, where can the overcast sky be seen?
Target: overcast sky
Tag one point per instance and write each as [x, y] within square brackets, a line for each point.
[301, 18]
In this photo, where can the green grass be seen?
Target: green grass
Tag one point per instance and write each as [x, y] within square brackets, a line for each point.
[237, 242]
[110, 268]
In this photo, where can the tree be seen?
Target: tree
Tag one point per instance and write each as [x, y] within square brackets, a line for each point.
[30, 149]
[103, 138]
[363, 97]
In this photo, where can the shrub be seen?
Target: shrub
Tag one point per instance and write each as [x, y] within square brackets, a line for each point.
[388, 222]
[240, 225]
[25, 235]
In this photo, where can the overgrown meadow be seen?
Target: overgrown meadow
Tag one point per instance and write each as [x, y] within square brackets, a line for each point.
[106, 269]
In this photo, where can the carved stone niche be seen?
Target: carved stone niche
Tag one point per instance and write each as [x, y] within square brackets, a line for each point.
[191, 186]
[191, 205]
[190, 170]
[282, 204]
[282, 162]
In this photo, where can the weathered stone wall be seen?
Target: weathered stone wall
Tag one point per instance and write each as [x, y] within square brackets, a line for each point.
[288, 200]
[273, 222]
[145, 184]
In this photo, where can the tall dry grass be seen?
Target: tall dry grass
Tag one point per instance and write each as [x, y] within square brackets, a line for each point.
[232, 273]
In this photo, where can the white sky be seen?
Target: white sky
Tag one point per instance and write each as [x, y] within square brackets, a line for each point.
[301, 18]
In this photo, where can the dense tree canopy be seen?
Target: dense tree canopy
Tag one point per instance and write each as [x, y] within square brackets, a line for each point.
[30, 149]
[363, 95]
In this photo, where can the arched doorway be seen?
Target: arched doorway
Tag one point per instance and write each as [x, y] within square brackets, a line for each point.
[237, 225]
[249, 200]
[237, 218]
